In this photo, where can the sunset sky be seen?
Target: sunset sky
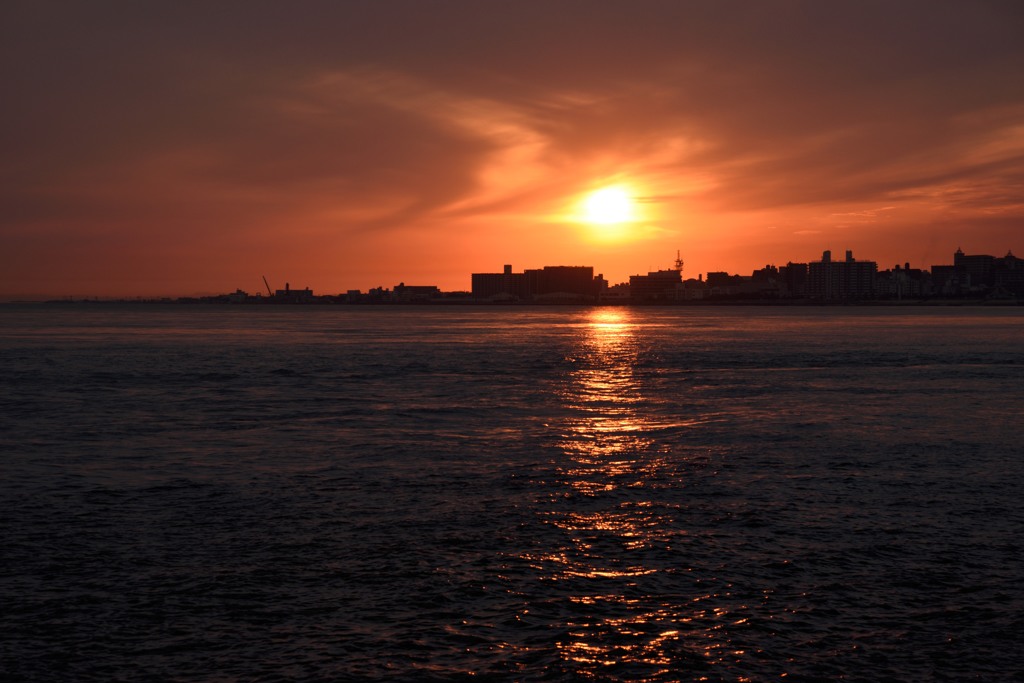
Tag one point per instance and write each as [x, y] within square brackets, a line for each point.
[179, 148]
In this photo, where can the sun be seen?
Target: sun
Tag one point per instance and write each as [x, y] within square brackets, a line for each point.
[608, 206]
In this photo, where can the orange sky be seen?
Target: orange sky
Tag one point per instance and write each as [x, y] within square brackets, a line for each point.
[188, 148]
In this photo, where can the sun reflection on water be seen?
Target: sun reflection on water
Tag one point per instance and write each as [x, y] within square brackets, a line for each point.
[624, 616]
[616, 586]
[604, 395]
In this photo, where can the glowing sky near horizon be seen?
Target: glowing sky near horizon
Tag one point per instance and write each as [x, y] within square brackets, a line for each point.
[183, 148]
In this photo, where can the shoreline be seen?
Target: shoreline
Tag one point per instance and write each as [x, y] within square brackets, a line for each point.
[458, 302]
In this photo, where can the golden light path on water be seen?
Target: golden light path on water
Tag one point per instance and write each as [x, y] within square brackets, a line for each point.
[614, 520]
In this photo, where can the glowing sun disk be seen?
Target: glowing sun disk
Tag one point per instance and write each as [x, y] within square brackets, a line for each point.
[607, 206]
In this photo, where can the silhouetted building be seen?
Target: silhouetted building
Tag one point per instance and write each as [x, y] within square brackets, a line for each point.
[412, 293]
[658, 285]
[616, 293]
[981, 274]
[945, 281]
[847, 280]
[562, 282]
[761, 284]
[975, 271]
[1008, 275]
[765, 283]
[719, 279]
[497, 286]
[723, 285]
[694, 288]
[977, 274]
[295, 296]
[902, 283]
[550, 283]
[793, 278]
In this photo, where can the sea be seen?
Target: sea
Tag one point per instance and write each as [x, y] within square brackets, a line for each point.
[430, 493]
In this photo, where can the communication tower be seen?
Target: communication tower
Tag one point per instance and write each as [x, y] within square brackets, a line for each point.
[679, 262]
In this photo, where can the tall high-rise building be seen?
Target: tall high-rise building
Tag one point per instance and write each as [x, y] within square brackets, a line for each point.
[847, 280]
[975, 270]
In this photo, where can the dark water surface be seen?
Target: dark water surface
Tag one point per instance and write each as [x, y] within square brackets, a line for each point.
[344, 493]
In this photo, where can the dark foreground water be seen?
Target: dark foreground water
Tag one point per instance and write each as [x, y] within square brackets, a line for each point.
[743, 494]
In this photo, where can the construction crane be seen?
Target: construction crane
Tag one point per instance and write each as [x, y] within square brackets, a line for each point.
[269, 293]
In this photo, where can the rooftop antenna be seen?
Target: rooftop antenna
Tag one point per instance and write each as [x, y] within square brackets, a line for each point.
[679, 262]
[269, 293]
